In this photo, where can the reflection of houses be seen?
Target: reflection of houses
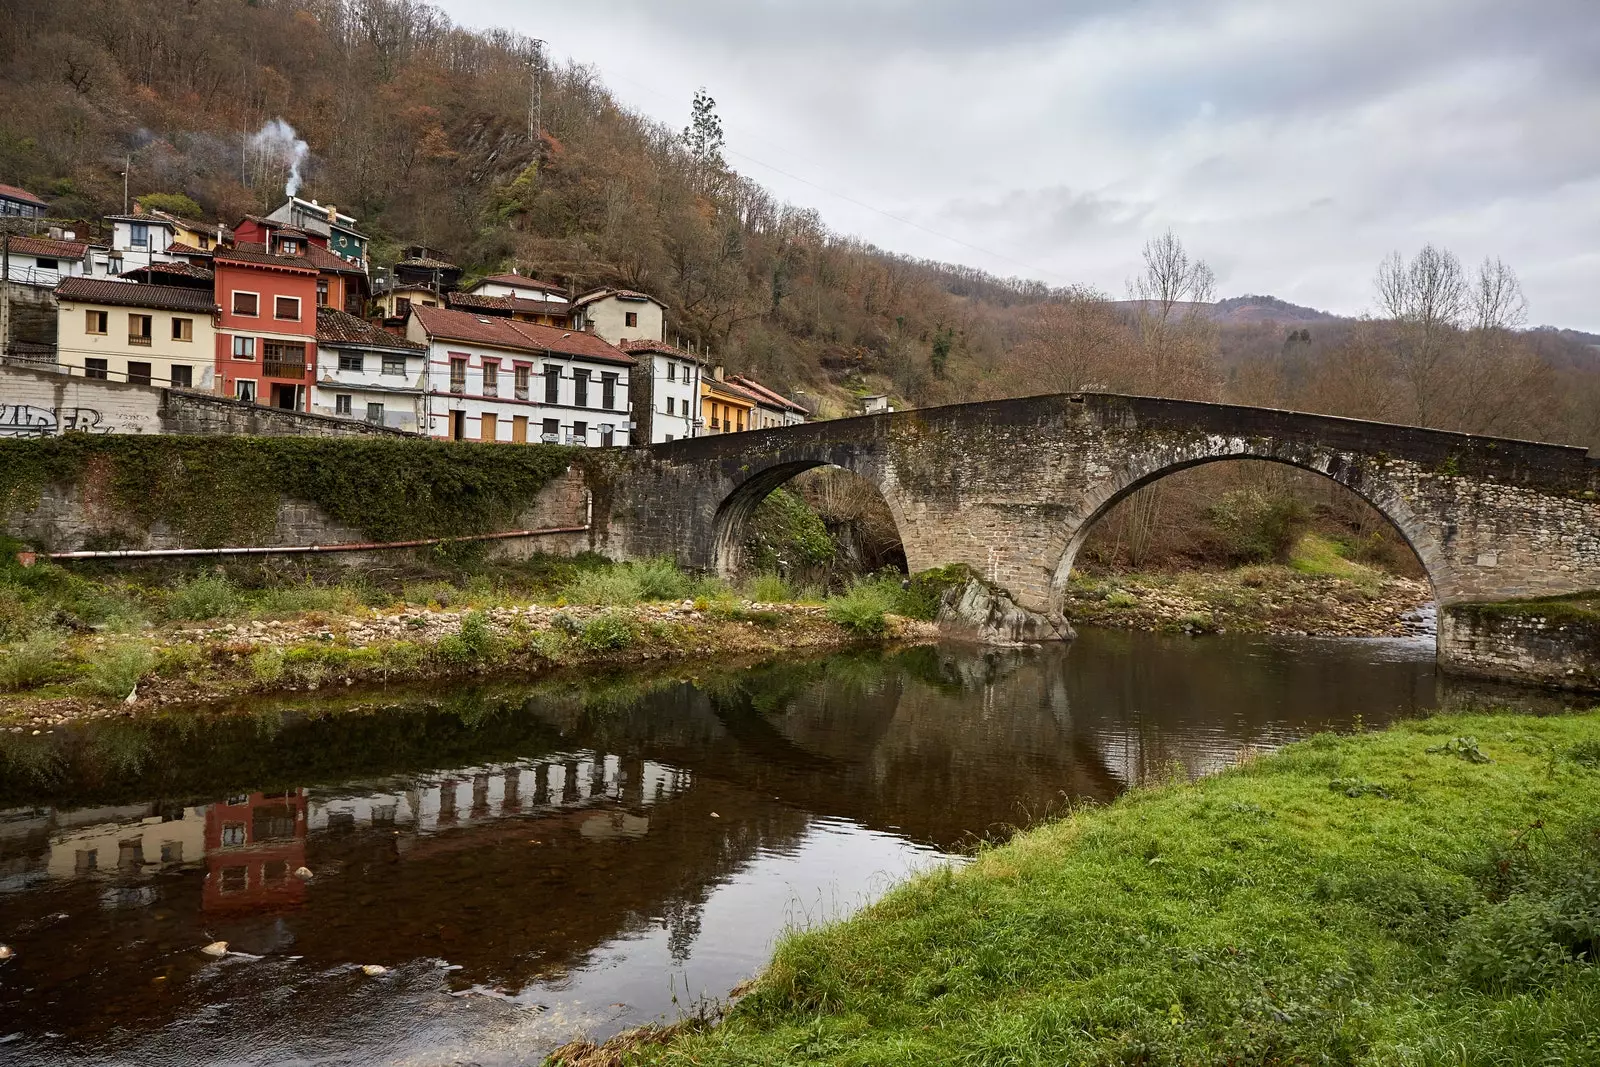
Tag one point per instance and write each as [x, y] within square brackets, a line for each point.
[138, 840]
[254, 844]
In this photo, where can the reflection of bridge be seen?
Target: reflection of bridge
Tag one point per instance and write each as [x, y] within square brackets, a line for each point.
[1012, 488]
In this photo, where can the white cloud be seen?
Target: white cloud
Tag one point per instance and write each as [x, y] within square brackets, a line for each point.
[1292, 144]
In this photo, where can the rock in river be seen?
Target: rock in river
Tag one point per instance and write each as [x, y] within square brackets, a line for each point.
[216, 948]
[981, 613]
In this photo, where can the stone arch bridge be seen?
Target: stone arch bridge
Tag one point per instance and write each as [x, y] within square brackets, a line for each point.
[1012, 488]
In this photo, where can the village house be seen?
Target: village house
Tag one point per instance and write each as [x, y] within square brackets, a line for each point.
[772, 408]
[724, 407]
[267, 326]
[422, 277]
[340, 283]
[137, 240]
[620, 315]
[43, 260]
[327, 228]
[492, 378]
[19, 203]
[665, 390]
[515, 284]
[366, 372]
[159, 335]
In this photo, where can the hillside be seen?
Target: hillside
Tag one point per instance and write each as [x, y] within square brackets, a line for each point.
[422, 130]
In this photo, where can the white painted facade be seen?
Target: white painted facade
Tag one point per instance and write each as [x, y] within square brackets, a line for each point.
[622, 317]
[380, 385]
[530, 290]
[138, 241]
[43, 269]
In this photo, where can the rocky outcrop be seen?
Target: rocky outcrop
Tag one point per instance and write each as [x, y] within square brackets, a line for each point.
[977, 612]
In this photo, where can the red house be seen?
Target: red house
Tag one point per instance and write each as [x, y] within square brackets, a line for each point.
[254, 844]
[341, 284]
[267, 330]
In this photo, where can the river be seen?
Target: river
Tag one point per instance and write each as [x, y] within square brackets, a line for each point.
[535, 861]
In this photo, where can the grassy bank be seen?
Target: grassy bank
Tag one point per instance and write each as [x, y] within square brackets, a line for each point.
[1427, 895]
[73, 644]
[1319, 589]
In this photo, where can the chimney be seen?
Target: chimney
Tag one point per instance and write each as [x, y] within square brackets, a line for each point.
[138, 208]
[717, 372]
[588, 327]
[333, 214]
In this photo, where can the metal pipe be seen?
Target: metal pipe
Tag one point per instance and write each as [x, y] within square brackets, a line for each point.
[269, 550]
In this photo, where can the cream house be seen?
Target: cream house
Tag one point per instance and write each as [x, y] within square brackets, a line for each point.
[619, 315]
[158, 335]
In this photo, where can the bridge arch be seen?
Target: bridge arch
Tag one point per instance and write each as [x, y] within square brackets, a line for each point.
[739, 504]
[1140, 470]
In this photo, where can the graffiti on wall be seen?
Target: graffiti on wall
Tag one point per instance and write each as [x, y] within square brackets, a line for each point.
[27, 420]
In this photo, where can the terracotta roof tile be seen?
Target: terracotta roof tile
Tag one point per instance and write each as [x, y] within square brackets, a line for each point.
[132, 294]
[282, 228]
[661, 347]
[179, 248]
[255, 254]
[49, 246]
[620, 294]
[524, 282]
[16, 193]
[508, 304]
[188, 270]
[427, 264]
[497, 332]
[323, 259]
[335, 326]
[770, 397]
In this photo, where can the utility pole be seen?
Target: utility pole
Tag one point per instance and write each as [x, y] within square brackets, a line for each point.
[536, 105]
[127, 165]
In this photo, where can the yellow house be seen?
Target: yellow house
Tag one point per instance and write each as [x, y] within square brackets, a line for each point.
[157, 335]
[188, 232]
[725, 408]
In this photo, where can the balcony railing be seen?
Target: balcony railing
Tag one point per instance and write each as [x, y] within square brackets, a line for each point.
[458, 385]
[277, 368]
[135, 339]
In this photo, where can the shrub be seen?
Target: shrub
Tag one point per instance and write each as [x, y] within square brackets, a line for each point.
[612, 587]
[768, 589]
[299, 599]
[32, 661]
[862, 608]
[660, 579]
[266, 665]
[117, 669]
[1252, 527]
[1121, 598]
[473, 642]
[210, 596]
[606, 633]
[919, 597]
[423, 594]
[784, 531]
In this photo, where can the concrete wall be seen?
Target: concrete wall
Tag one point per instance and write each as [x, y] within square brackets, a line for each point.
[1551, 649]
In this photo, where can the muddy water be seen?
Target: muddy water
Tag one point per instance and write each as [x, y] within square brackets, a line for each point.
[530, 862]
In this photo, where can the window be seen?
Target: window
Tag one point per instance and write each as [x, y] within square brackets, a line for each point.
[670, 402]
[182, 376]
[244, 347]
[672, 371]
[580, 388]
[246, 304]
[491, 377]
[550, 431]
[322, 292]
[234, 879]
[182, 329]
[280, 359]
[458, 374]
[245, 389]
[630, 318]
[341, 404]
[138, 373]
[669, 437]
[402, 306]
[95, 322]
[94, 368]
[286, 308]
[139, 330]
[520, 382]
[232, 834]
[580, 433]
[48, 264]
[139, 235]
[353, 361]
[394, 364]
[172, 852]
[552, 384]
[608, 391]
[288, 246]
[375, 413]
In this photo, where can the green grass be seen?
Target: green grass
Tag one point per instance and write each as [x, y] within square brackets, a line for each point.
[1317, 555]
[1351, 900]
[116, 669]
[622, 584]
[34, 660]
[1575, 607]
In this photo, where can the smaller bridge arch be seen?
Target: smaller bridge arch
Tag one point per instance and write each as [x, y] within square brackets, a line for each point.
[1137, 470]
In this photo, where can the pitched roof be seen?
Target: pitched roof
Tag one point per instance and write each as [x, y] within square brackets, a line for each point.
[522, 281]
[49, 246]
[188, 224]
[257, 255]
[497, 332]
[620, 294]
[769, 397]
[187, 270]
[508, 304]
[339, 327]
[323, 259]
[427, 264]
[644, 344]
[283, 228]
[147, 218]
[135, 295]
[179, 248]
[12, 192]
[720, 384]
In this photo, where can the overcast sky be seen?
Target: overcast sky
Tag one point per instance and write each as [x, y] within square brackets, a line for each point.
[1290, 143]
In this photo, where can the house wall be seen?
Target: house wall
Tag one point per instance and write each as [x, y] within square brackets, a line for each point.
[723, 413]
[652, 390]
[75, 344]
[499, 289]
[27, 269]
[401, 410]
[609, 316]
[160, 236]
[263, 327]
[388, 301]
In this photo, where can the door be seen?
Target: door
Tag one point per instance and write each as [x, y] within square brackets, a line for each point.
[486, 427]
[458, 426]
[519, 429]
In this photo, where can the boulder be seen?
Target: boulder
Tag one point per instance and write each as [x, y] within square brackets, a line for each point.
[979, 612]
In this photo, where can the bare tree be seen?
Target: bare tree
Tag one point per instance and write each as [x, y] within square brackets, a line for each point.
[1497, 303]
[1427, 299]
[1171, 278]
[1177, 342]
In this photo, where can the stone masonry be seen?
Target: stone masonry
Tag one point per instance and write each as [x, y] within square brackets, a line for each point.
[1012, 487]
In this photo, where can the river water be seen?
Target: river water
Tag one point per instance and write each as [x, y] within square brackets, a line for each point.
[535, 861]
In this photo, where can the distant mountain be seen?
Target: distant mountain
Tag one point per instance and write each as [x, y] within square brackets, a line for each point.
[1253, 308]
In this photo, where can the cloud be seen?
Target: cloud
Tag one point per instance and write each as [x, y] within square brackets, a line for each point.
[1292, 143]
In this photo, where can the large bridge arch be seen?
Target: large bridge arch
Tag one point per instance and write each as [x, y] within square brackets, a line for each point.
[1141, 469]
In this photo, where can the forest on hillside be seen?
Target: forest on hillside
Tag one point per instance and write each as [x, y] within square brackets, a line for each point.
[424, 131]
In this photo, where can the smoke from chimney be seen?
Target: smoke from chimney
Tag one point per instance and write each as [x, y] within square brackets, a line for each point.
[279, 139]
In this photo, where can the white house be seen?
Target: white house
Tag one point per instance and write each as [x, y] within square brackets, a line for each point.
[620, 315]
[139, 240]
[519, 285]
[336, 229]
[492, 378]
[366, 372]
[665, 389]
[44, 260]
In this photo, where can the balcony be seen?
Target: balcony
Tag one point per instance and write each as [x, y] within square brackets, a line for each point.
[135, 339]
[277, 368]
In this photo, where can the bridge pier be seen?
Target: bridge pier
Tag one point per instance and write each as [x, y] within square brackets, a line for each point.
[1012, 487]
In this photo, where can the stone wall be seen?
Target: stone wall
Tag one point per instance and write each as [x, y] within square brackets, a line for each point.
[1553, 648]
[185, 412]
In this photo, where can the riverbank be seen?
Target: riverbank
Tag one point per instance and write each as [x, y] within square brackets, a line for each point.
[1421, 895]
[1317, 592]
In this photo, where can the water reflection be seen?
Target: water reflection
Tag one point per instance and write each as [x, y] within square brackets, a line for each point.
[536, 860]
